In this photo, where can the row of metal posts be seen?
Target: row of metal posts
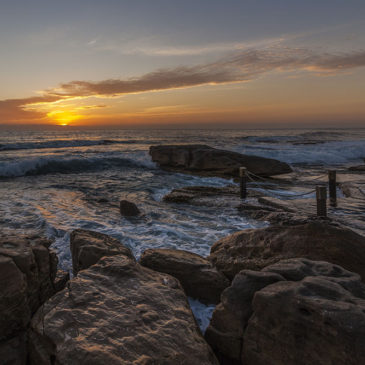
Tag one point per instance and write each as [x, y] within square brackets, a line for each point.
[321, 191]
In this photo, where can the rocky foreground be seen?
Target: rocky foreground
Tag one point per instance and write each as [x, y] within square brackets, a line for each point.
[28, 277]
[285, 295]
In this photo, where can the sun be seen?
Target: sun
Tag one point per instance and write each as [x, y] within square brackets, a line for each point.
[63, 117]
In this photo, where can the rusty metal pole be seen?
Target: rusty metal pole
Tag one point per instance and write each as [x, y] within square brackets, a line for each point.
[332, 187]
[243, 183]
[321, 195]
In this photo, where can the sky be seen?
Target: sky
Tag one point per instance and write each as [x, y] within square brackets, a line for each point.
[171, 62]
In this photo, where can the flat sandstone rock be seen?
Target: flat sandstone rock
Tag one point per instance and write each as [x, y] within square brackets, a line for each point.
[207, 161]
[253, 249]
[118, 312]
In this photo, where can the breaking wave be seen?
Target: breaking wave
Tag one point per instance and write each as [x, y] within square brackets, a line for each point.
[66, 165]
[326, 153]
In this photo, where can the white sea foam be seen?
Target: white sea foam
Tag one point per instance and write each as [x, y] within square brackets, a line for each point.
[69, 164]
[202, 313]
[327, 153]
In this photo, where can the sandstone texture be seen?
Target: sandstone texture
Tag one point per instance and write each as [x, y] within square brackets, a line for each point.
[295, 312]
[254, 249]
[118, 312]
[87, 247]
[208, 161]
[199, 278]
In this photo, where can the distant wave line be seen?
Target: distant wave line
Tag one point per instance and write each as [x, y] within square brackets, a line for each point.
[63, 144]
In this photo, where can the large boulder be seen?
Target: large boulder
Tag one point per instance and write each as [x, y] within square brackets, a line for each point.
[208, 161]
[294, 312]
[87, 247]
[27, 279]
[317, 320]
[199, 278]
[118, 312]
[225, 331]
[254, 249]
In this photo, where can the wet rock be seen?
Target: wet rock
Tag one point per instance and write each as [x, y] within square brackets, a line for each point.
[275, 215]
[118, 312]
[199, 278]
[219, 197]
[353, 190]
[87, 247]
[128, 209]
[358, 168]
[208, 161]
[256, 211]
[296, 311]
[195, 194]
[27, 273]
[254, 249]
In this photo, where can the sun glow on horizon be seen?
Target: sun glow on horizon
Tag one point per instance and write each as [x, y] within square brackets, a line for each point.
[63, 117]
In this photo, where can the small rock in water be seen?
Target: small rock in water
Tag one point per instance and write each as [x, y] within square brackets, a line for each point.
[128, 209]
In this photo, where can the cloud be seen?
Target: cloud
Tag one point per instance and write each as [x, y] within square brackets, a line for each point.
[212, 48]
[242, 66]
[88, 107]
[13, 109]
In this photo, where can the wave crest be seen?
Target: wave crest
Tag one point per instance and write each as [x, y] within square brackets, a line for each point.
[66, 165]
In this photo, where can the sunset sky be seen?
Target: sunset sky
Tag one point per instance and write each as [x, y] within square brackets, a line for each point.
[172, 62]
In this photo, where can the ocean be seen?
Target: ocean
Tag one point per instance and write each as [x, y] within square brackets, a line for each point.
[58, 179]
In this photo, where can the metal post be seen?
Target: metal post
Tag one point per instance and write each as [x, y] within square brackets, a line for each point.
[243, 188]
[321, 195]
[332, 187]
